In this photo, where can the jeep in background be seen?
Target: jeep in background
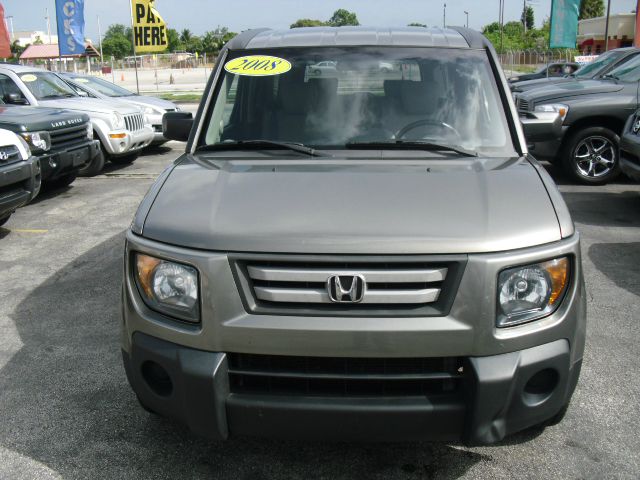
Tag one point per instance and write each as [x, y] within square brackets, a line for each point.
[19, 174]
[62, 140]
[119, 126]
[369, 256]
[594, 70]
[593, 114]
[154, 108]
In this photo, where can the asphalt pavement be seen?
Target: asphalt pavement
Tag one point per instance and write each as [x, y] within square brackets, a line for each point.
[66, 410]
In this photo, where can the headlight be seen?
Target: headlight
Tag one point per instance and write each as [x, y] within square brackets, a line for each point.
[25, 146]
[559, 108]
[38, 141]
[531, 292]
[168, 287]
[117, 120]
[90, 131]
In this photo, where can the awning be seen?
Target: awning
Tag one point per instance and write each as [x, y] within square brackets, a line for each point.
[47, 51]
[587, 42]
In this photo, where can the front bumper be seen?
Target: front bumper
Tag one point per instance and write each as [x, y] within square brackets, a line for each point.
[490, 402]
[58, 164]
[155, 121]
[129, 142]
[630, 155]
[19, 184]
[495, 398]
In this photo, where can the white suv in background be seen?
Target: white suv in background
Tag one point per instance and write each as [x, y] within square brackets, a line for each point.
[119, 126]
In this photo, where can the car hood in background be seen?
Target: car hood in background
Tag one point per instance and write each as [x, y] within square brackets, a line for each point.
[573, 89]
[353, 207]
[23, 118]
[145, 101]
[91, 105]
[526, 85]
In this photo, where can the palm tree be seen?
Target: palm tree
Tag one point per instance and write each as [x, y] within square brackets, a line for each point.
[185, 36]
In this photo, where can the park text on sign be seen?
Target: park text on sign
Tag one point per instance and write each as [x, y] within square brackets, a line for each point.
[149, 29]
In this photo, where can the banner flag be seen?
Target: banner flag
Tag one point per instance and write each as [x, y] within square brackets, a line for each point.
[564, 23]
[5, 41]
[149, 29]
[70, 20]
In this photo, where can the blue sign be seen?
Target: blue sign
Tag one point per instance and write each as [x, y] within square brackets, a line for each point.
[70, 17]
[564, 23]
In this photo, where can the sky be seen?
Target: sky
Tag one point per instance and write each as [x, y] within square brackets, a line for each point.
[203, 15]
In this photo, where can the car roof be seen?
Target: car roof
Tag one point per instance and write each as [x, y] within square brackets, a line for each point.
[358, 36]
[21, 68]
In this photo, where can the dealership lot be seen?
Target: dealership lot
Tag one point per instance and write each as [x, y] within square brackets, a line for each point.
[68, 412]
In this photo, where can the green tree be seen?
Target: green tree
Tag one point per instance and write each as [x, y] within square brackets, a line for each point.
[528, 17]
[173, 39]
[416, 24]
[591, 9]
[117, 46]
[185, 36]
[308, 22]
[342, 17]
[17, 49]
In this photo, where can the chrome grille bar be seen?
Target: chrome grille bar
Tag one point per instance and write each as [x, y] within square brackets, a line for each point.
[275, 274]
[317, 295]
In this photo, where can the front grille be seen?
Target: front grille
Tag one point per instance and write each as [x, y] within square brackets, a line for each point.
[344, 377]
[66, 138]
[523, 105]
[134, 122]
[387, 287]
[9, 154]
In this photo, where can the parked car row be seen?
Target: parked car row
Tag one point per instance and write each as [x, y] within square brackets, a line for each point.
[597, 106]
[58, 126]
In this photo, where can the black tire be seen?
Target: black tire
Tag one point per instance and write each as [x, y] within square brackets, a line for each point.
[63, 181]
[590, 156]
[145, 407]
[124, 160]
[94, 167]
[4, 220]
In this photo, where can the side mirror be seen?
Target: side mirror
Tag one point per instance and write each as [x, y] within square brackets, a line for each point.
[540, 126]
[15, 99]
[177, 125]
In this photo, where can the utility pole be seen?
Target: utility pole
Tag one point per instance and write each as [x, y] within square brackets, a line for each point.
[467, 14]
[100, 35]
[48, 24]
[606, 28]
[501, 17]
[524, 15]
[444, 16]
[133, 44]
[10, 18]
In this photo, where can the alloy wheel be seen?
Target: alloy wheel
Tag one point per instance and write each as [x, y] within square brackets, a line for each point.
[595, 157]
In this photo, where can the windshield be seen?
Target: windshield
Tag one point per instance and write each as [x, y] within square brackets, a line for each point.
[591, 69]
[335, 97]
[102, 86]
[46, 85]
[627, 72]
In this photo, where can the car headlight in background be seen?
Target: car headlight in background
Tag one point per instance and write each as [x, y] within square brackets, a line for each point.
[25, 145]
[531, 292]
[117, 120]
[559, 108]
[168, 287]
[38, 141]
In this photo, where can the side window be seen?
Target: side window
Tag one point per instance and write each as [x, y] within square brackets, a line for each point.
[8, 86]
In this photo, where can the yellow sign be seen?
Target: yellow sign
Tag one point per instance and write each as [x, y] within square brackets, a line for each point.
[28, 78]
[258, 66]
[149, 29]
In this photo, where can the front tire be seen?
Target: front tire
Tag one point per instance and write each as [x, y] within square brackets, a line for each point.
[590, 156]
[63, 181]
[94, 167]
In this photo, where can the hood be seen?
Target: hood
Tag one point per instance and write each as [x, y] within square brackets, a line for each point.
[353, 207]
[540, 82]
[91, 105]
[145, 101]
[572, 89]
[22, 119]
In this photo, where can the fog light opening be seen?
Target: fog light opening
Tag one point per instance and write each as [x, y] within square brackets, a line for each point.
[157, 378]
[540, 386]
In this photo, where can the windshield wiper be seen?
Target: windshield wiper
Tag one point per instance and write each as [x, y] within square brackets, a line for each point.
[261, 144]
[412, 144]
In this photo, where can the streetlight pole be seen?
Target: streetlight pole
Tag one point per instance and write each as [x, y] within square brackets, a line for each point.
[467, 14]
[48, 24]
[501, 17]
[10, 18]
[100, 35]
[444, 16]
[606, 28]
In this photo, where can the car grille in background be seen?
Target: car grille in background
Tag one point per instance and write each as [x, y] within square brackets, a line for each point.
[343, 377]
[65, 138]
[523, 105]
[11, 153]
[404, 288]
[134, 122]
